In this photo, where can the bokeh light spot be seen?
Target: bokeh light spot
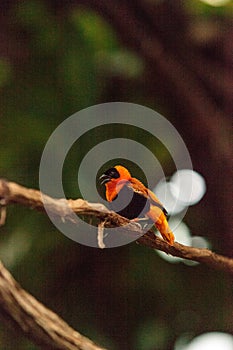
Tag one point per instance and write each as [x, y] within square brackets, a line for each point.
[211, 340]
[164, 191]
[216, 3]
[188, 186]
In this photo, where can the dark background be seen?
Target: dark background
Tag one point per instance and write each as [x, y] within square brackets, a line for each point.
[172, 56]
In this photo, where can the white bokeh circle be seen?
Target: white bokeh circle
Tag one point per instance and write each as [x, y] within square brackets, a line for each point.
[188, 186]
[206, 341]
[72, 128]
[164, 191]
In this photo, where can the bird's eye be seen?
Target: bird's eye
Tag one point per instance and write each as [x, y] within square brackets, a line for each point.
[113, 173]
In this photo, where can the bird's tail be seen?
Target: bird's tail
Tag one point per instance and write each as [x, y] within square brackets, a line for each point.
[161, 223]
[164, 229]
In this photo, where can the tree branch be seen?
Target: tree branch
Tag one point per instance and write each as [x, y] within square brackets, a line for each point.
[11, 192]
[40, 324]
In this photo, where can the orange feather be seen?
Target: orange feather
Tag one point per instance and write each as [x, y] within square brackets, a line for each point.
[119, 178]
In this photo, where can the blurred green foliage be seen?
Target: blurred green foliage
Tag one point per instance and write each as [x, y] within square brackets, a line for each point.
[124, 298]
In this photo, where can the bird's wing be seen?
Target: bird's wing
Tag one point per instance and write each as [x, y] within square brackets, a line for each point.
[138, 187]
[155, 201]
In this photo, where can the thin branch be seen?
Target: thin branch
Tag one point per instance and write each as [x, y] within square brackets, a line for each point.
[14, 193]
[200, 255]
[101, 235]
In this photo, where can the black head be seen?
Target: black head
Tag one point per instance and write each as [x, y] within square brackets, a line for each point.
[111, 173]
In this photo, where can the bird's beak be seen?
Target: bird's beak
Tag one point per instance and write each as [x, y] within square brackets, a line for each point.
[104, 179]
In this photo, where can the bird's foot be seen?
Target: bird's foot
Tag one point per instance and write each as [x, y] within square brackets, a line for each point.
[142, 222]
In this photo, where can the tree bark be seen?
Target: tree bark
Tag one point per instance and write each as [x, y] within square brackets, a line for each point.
[10, 192]
[41, 325]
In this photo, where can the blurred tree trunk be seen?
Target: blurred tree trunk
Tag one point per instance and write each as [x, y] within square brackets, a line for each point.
[193, 77]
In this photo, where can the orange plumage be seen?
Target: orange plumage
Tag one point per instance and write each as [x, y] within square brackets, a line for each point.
[131, 199]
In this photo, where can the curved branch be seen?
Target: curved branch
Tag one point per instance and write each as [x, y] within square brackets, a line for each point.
[40, 324]
[11, 192]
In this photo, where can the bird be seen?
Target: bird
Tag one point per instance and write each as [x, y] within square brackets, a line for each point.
[129, 197]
